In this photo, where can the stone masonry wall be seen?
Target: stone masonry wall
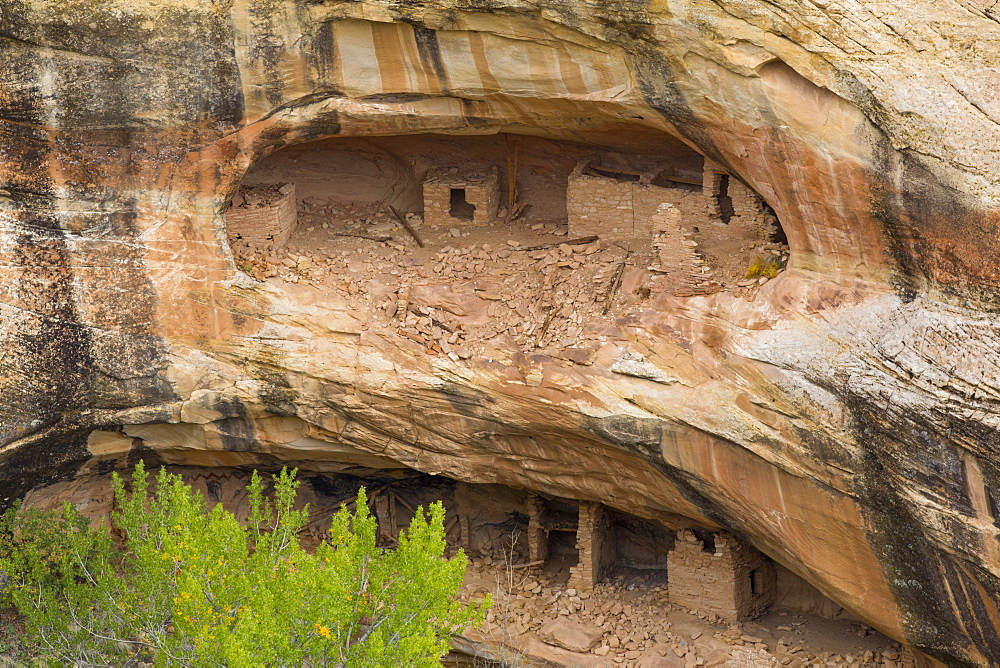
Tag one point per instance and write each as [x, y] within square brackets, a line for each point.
[748, 219]
[756, 582]
[735, 582]
[268, 224]
[697, 252]
[711, 185]
[591, 535]
[615, 209]
[730, 248]
[482, 190]
[646, 201]
[601, 206]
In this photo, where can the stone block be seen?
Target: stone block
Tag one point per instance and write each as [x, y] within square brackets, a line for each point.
[572, 635]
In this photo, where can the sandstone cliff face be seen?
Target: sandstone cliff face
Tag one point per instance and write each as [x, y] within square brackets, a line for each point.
[843, 419]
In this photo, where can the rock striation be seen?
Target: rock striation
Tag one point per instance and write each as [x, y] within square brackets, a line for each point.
[841, 418]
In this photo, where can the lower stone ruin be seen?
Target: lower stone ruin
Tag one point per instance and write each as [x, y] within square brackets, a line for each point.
[720, 576]
[580, 544]
[574, 583]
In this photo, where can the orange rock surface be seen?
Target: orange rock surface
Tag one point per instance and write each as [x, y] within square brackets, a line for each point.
[842, 418]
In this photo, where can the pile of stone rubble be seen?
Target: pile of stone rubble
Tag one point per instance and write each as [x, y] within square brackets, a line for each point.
[633, 624]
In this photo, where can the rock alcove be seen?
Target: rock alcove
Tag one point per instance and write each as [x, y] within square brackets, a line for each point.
[567, 238]
[839, 418]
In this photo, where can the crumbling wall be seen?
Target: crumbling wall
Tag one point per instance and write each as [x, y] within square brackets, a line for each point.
[685, 270]
[615, 208]
[737, 229]
[704, 237]
[538, 537]
[748, 221]
[746, 218]
[734, 582]
[647, 199]
[262, 217]
[619, 208]
[712, 188]
[754, 576]
[482, 190]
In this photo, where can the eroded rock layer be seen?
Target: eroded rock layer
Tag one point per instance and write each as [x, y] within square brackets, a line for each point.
[841, 418]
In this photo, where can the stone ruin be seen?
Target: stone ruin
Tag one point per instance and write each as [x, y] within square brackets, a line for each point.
[676, 253]
[618, 203]
[629, 228]
[701, 231]
[720, 576]
[461, 197]
[714, 574]
[262, 217]
[594, 550]
[686, 224]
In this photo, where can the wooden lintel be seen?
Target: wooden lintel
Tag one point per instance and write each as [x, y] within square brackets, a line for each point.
[680, 179]
[616, 170]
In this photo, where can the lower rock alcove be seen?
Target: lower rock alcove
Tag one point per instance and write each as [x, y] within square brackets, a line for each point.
[549, 563]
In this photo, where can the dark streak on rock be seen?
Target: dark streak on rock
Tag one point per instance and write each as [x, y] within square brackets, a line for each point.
[913, 568]
[939, 240]
[75, 349]
[323, 55]
[237, 434]
[637, 435]
[468, 401]
[430, 54]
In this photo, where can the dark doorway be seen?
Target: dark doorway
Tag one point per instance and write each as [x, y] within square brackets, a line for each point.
[777, 235]
[726, 210]
[460, 208]
[756, 583]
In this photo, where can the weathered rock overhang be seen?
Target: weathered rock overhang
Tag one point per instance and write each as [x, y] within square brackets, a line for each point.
[843, 421]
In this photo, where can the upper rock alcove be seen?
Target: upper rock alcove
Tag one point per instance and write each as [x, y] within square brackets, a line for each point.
[456, 240]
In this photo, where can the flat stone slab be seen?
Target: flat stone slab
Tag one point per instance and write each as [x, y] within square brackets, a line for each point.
[571, 635]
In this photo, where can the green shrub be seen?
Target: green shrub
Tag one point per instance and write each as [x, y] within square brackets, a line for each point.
[189, 586]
